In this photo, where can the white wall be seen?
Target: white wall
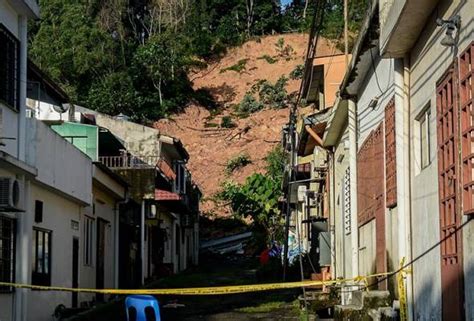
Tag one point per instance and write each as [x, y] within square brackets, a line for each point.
[378, 83]
[57, 215]
[429, 61]
[343, 240]
[104, 209]
[45, 111]
[60, 164]
[368, 118]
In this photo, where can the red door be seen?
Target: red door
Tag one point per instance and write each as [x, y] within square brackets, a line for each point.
[449, 206]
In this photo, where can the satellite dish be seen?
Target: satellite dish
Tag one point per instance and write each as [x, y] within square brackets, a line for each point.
[61, 108]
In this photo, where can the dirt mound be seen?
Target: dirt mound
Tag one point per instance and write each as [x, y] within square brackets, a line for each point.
[227, 80]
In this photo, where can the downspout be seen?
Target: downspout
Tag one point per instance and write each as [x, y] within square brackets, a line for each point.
[142, 241]
[352, 123]
[407, 140]
[402, 141]
[23, 230]
[332, 218]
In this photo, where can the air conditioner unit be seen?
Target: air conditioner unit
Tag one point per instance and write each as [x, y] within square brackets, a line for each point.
[9, 194]
[301, 193]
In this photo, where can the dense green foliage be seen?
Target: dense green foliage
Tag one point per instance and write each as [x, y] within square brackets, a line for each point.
[248, 105]
[258, 197]
[297, 73]
[132, 56]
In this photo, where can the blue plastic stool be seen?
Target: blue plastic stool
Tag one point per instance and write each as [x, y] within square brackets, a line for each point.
[146, 308]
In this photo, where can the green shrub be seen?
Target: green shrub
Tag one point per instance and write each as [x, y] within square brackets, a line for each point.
[284, 51]
[249, 104]
[274, 95]
[297, 73]
[271, 60]
[237, 162]
[238, 67]
[226, 122]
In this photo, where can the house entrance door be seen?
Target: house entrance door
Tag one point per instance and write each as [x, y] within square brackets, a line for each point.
[449, 203]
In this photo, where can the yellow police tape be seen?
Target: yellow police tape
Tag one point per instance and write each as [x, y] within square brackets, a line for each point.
[218, 290]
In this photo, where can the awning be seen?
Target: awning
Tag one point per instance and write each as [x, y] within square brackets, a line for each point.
[164, 195]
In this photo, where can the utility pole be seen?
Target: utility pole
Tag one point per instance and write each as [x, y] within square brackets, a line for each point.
[346, 33]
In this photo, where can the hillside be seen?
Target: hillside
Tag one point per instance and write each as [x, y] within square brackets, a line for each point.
[210, 148]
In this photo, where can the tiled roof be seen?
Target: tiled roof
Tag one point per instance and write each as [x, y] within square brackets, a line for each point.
[162, 195]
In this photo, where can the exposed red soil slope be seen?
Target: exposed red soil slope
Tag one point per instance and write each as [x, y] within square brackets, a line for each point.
[211, 148]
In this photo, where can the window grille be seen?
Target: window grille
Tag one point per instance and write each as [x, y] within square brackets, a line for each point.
[9, 68]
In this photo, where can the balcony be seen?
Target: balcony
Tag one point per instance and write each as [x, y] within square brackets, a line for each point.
[139, 162]
[130, 162]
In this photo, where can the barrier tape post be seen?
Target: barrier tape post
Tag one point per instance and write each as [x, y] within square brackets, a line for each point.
[401, 292]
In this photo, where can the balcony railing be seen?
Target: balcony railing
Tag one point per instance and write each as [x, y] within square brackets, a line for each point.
[139, 162]
[127, 162]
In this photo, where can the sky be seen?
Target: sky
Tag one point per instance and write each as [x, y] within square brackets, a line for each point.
[285, 2]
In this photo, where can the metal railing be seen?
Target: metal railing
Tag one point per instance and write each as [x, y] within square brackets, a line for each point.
[128, 161]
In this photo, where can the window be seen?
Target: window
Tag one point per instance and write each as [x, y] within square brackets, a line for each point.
[9, 68]
[7, 251]
[88, 237]
[41, 257]
[181, 177]
[424, 126]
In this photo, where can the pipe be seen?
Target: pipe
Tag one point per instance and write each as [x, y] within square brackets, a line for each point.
[408, 214]
[288, 197]
[313, 134]
[142, 241]
[23, 233]
[332, 208]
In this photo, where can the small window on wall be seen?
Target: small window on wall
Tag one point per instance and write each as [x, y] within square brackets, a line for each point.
[7, 251]
[41, 257]
[88, 237]
[424, 137]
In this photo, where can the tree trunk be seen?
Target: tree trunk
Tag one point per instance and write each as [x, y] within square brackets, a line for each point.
[159, 92]
[249, 4]
[305, 8]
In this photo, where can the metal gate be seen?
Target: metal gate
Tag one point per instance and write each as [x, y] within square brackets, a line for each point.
[371, 194]
[449, 206]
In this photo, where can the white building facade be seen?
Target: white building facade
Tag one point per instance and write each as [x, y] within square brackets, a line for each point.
[405, 110]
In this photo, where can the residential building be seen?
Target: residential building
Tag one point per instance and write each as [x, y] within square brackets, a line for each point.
[155, 167]
[309, 225]
[401, 170]
[95, 250]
